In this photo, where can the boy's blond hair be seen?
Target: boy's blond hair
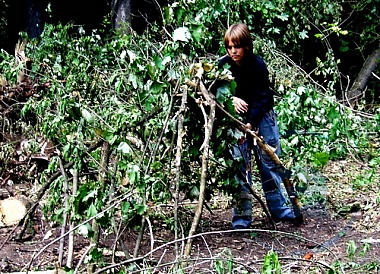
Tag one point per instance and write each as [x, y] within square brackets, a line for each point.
[239, 35]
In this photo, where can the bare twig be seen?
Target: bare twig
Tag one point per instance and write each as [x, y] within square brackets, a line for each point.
[65, 212]
[101, 178]
[151, 233]
[124, 197]
[43, 189]
[82, 258]
[139, 238]
[70, 249]
[177, 168]
[109, 267]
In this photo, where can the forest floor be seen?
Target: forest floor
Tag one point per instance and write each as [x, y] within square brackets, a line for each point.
[341, 224]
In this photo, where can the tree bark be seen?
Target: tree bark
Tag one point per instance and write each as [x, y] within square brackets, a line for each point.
[34, 18]
[357, 89]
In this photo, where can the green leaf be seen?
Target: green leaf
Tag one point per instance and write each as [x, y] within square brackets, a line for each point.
[125, 208]
[87, 115]
[152, 69]
[91, 211]
[157, 87]
[321, 158]
[181, 34]
[223, 94]
[134, 173]
[194, 193]
[132, 56]
[158, 62]
[303, 34]
[283, 16]
[124, 147]
[141, 209]
[133, 80]
[197, 34]
[89, 195]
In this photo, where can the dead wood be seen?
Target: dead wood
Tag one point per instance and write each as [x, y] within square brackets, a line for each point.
[209, 123]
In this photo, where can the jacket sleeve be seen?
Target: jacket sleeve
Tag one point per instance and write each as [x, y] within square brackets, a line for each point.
[262, 100]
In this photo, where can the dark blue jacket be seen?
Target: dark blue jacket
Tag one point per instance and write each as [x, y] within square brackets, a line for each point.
[252, 85]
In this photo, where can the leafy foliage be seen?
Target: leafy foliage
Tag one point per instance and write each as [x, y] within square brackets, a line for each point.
[121, 91]
[125, 90]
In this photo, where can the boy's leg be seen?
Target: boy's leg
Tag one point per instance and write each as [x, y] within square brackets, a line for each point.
[270, 179]
[242, 211]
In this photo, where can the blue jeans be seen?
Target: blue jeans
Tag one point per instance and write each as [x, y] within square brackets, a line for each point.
[270, 179]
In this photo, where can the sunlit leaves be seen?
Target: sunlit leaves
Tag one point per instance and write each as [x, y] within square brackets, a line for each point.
[182, 34]
[125, 148]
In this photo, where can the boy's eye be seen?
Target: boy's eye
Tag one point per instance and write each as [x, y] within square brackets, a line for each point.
[236, 47]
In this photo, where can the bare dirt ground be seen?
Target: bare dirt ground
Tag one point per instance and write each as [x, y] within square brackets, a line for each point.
[341, 224]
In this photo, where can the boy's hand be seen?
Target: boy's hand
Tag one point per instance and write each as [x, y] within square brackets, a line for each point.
[240, 105]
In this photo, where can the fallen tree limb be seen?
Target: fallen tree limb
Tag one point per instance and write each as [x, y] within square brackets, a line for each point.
[205, 159]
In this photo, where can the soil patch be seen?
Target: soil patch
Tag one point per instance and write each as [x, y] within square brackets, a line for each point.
[343, 228]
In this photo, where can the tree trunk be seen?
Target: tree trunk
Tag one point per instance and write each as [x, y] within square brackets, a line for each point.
[121, 14]
[357, 89]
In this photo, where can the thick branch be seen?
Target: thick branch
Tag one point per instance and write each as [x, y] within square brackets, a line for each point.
[205, 160]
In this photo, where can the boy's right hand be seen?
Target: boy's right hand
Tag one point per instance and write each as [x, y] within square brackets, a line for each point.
[240, 105]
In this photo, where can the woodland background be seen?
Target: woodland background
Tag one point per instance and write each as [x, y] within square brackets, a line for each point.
[105, 128]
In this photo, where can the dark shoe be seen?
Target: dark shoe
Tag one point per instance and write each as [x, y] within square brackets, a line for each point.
[241, 222]
[286, 218]
[240, 227]
[277, 207]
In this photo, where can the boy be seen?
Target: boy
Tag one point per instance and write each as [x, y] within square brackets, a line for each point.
[254, 102]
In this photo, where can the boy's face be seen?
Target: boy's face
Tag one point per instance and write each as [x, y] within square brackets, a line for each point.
[236, 52]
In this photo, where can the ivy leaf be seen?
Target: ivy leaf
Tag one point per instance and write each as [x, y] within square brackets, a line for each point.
[152, 69]
[133, 79]
[123, 54]
[87, 115]
[158, 62]
[92, 194]
[303, 34]
[134, 173]
[295, 141]
[132, 56]
[125, 208]
[283, 16]
[157, 87]
[194, 192]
